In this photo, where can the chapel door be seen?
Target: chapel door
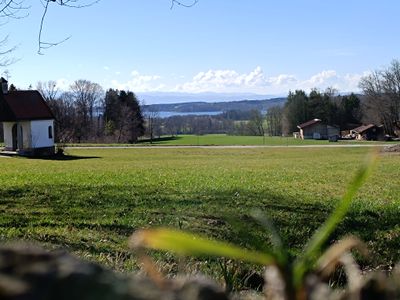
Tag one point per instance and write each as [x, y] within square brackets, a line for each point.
[14, 137]
[17, 137]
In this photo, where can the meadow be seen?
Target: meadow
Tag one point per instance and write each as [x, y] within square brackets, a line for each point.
[91, 202]
[226, 140]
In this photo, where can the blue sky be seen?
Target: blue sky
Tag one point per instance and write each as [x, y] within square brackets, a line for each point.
[224, 46]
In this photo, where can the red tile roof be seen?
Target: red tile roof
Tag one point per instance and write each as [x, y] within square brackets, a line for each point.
[308, 123]
[24, 105]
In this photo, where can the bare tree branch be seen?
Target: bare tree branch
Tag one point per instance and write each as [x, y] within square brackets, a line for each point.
[180, 3]
[43, 45]
[9, 9]
[12, 8]
[4, 59]
[75, 3]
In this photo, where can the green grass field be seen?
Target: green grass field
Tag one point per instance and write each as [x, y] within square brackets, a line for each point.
[227, 140]
[92, 204]
[224, 140]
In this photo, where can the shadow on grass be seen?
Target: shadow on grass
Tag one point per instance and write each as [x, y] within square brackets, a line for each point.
[210, 212]
[81, 245]
[62, 157]
[159, 140]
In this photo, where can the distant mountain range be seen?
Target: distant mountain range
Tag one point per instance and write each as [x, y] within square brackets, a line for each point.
[175, 97]
[203, 106]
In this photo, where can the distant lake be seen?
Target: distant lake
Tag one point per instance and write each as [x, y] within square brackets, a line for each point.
[167, 114]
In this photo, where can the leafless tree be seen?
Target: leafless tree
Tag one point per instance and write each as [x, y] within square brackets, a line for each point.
[17, 9]
[5, 51]
[62, 105]
[48, 89]
[152, 123]
[12, 9]
[42, 43]
[382, 92]
[256, 123]
[274, 118]
[9, 9]
[171, 126]
[86, 95]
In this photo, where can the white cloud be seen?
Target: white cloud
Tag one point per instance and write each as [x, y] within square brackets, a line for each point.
[106, 68]
[322, 80]
[282, 79]
[322, 77]
[139, 83]
[231, 81]
[351, 81]
[225, 81]
[330, 78]
[255, 78]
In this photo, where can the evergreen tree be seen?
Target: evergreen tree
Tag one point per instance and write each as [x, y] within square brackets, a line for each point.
[123, 116]
[296, 110]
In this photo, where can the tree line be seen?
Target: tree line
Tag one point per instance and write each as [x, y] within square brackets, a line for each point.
[382, 97]
[342, 111]
[85, 113]
[379, 104]
[233, 122]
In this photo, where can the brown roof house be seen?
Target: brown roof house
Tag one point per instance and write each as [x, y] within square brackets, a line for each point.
[368, 132]
[28, 122]
[317, 130]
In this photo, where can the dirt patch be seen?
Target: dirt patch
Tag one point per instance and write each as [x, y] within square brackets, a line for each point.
[392, 149]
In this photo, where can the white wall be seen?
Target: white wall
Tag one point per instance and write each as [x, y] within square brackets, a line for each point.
[7, 128]
[35, 134]
[40, 133]
[26, 133]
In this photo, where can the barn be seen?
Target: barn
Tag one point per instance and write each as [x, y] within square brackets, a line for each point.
[28, 123]
[317, 130]
[369, 132]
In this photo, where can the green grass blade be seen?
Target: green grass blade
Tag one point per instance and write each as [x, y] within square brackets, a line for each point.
[246, 232]
[189, 244]
[280, 248]
[315, 244]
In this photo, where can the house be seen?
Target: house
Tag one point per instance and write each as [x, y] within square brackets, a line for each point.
[28, 123]
[316, 129]
[368, 132]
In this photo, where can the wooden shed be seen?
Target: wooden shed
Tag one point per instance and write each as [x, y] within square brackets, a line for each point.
[317, 130]
[369, 132]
